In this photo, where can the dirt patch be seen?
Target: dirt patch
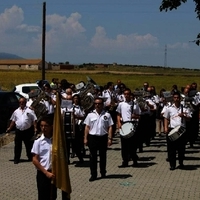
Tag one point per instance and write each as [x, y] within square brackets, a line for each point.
[97, 72]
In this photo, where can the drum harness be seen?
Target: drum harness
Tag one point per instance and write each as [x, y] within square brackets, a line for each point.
[132, 106]
[182, 127]
[134, 123]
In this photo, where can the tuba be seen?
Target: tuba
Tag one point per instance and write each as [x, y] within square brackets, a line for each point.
[86, 94]
[140, 96]
[37, 105]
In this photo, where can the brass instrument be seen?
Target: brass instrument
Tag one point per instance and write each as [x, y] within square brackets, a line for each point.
[86, 96]
[168, 96]
[38, 107]
[140, 96]
[187, 102]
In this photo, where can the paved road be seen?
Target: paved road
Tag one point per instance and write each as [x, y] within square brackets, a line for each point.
[151, 180]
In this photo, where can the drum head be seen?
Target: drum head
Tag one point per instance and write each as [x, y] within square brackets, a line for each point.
[126, 129]
[174, 130]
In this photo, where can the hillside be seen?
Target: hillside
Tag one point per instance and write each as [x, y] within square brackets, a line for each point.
[9, 56]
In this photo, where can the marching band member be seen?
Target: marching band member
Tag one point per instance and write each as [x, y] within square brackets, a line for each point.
[117, 85]
[174, 116]
[159, 116]
[77, 142]
[98, 135]
[41, 151]
[25, 122]
[120, 94]
[51, 100]
[128, 111]
[111, 103]
[67, 94]
[144, 122]
[152, 117]
[194, 122]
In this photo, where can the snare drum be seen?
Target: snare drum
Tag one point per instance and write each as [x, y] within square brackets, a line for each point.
[127, 130]
[69, 125]
[176, 133]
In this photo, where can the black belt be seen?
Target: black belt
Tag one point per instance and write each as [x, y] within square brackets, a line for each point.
[105, 135]
[23, 130]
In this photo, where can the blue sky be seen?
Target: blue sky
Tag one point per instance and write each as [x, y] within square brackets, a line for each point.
[106, 31]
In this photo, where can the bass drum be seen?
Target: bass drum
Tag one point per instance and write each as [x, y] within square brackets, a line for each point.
[176, 133]
[127, 130]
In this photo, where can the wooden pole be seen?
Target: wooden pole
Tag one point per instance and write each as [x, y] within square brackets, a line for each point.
[43, 40]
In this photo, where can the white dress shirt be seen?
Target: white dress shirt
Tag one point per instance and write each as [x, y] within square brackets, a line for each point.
[98, 124]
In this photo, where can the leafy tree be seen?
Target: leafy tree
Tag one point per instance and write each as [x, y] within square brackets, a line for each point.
[174, 4]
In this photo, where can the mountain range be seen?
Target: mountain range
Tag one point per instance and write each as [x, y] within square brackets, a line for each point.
[9, 56]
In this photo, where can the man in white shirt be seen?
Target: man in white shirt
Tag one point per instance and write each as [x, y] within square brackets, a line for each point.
[128, 111]
[42, 149]
[98, 135]
[174, 116]
[25, 121]
[111, 103]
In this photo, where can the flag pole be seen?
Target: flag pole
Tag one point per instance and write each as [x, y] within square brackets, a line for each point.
[59, 154]
[43, 40]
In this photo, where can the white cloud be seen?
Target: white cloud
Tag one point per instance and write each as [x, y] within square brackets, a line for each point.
[178, 45]
[122, 42]
[69, 25]
[30, 29]
[11, 18]
[62, 30]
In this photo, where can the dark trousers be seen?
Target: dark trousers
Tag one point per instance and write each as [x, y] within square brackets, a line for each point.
[176, 146]
[113, 114]
[97, 144]
[193, 128]
[129, 148]
[143, 131]
[76, 144]
[26, 137]
[46, 190]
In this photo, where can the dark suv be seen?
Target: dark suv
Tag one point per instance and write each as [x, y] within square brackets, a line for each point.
[9, 101]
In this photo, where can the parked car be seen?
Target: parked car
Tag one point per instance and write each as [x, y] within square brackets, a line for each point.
[25, 88]
[9, 102]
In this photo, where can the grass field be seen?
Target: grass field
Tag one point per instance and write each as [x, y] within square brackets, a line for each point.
[132, 78]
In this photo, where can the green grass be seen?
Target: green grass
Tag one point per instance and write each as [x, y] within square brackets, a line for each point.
[160, 78]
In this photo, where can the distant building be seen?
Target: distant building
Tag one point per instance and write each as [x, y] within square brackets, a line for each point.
[66, 67]
[25, 64]
[101, 65]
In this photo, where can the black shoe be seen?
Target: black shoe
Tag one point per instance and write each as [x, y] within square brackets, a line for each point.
[172, 168]
[81, 161]
[103, 175]
[92, 178]
[16, 161]
[181, 166]
[123, 165]
[140, 150]
[135, 164]
[72, 155]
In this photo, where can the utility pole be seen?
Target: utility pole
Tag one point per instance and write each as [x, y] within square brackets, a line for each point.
[165, 60]
[43, 40]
